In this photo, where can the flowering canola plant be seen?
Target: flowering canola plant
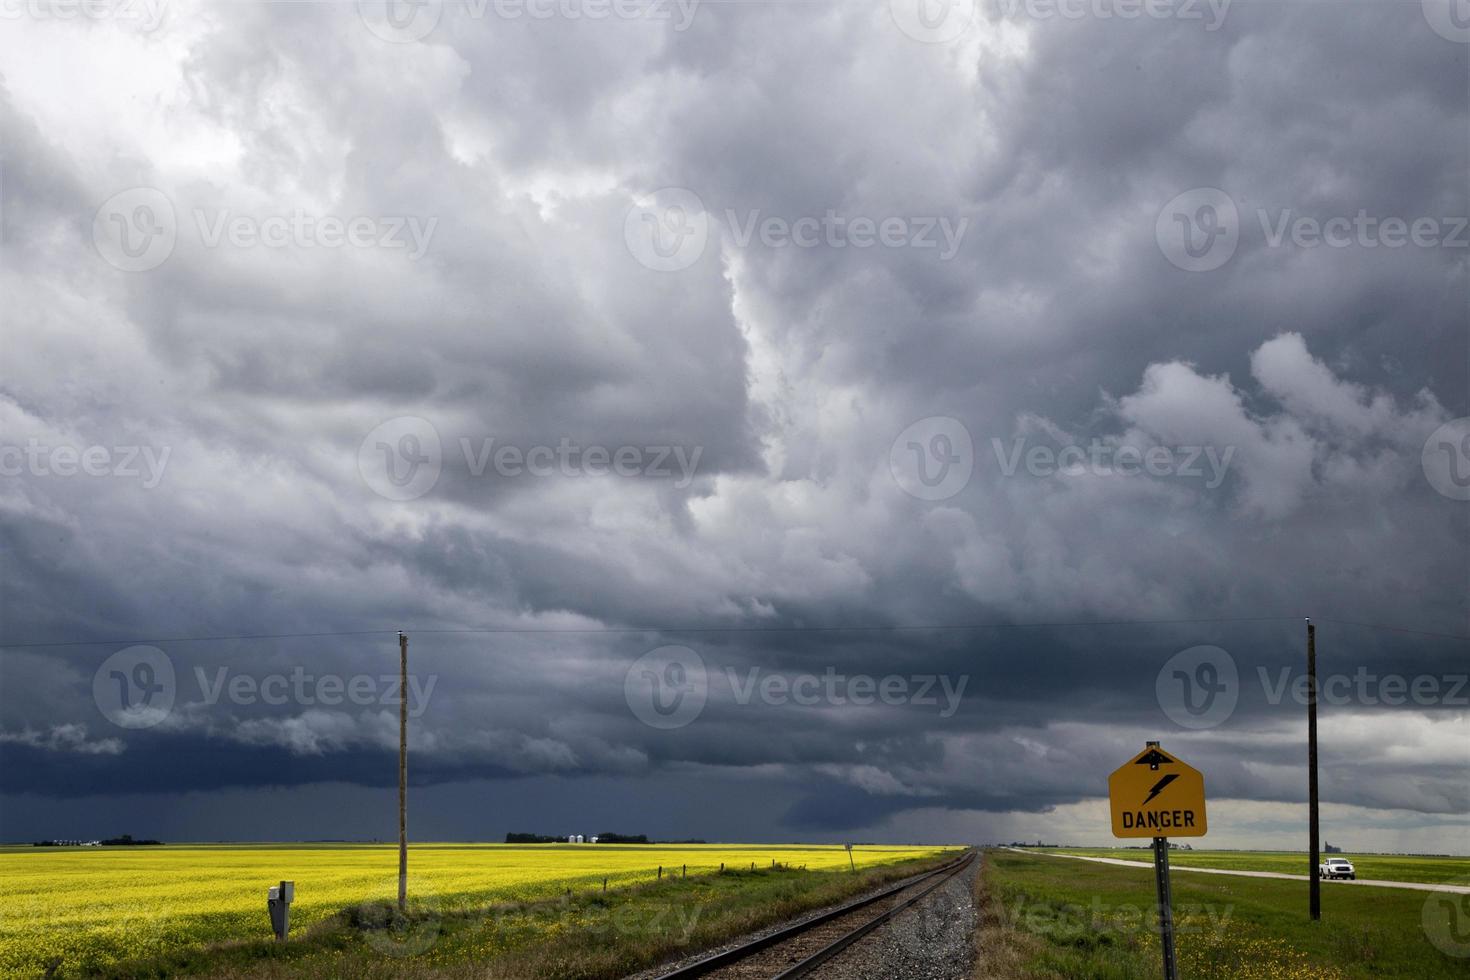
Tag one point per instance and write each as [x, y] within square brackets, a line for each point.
[87, 907]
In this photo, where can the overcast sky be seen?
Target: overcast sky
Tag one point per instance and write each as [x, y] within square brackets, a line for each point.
[654, 336]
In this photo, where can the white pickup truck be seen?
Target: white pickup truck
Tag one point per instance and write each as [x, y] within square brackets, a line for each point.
[1337, 868]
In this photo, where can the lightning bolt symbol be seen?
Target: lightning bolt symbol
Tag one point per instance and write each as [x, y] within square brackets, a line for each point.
[1159, 787]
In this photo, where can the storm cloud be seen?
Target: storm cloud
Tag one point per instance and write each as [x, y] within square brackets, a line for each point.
[771, 420]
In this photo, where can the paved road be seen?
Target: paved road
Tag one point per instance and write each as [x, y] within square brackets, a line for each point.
[1415, 885]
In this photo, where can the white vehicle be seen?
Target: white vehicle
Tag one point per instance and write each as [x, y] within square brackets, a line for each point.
[1337, 868]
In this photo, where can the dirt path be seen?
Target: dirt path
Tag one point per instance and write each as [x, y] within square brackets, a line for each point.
[1414, 885]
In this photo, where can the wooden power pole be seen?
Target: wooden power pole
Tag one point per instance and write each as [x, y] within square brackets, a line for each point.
[1315, 900]
[403, 772]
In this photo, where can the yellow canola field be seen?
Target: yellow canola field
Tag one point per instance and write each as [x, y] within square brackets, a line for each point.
[87, 907]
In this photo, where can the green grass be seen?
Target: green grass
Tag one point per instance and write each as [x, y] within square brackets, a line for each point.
[1370, 867]
[1083, 921]
[89, 909]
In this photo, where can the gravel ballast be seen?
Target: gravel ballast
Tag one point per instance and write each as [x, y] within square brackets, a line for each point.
[934, 940]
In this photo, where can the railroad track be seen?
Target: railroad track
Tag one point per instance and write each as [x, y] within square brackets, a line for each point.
[799, 949]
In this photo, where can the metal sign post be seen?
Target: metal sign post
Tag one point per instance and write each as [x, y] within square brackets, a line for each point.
[1166, 907]
[1157, 793]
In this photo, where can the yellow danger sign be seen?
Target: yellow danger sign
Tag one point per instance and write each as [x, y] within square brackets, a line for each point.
[1156, 795]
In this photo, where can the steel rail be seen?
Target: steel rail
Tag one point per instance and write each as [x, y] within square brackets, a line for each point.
[745, 950]
[853, 935]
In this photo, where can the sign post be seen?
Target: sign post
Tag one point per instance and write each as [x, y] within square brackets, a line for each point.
[1156, 795]
[1166, 907]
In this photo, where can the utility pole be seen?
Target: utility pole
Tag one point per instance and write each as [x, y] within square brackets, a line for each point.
[403, 772]
[1315, 900]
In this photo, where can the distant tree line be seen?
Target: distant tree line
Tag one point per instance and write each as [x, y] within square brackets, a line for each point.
[126, 840]
[518, 838]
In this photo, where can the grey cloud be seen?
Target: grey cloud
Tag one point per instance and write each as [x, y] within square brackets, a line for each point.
[528, 320]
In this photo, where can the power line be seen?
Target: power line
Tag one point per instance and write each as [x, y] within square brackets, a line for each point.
[1397, 629]
[533, 630]
[191, 639]
[890, 628]
[572, 630]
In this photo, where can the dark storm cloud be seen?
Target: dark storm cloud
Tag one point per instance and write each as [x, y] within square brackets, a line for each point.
[528, 320]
